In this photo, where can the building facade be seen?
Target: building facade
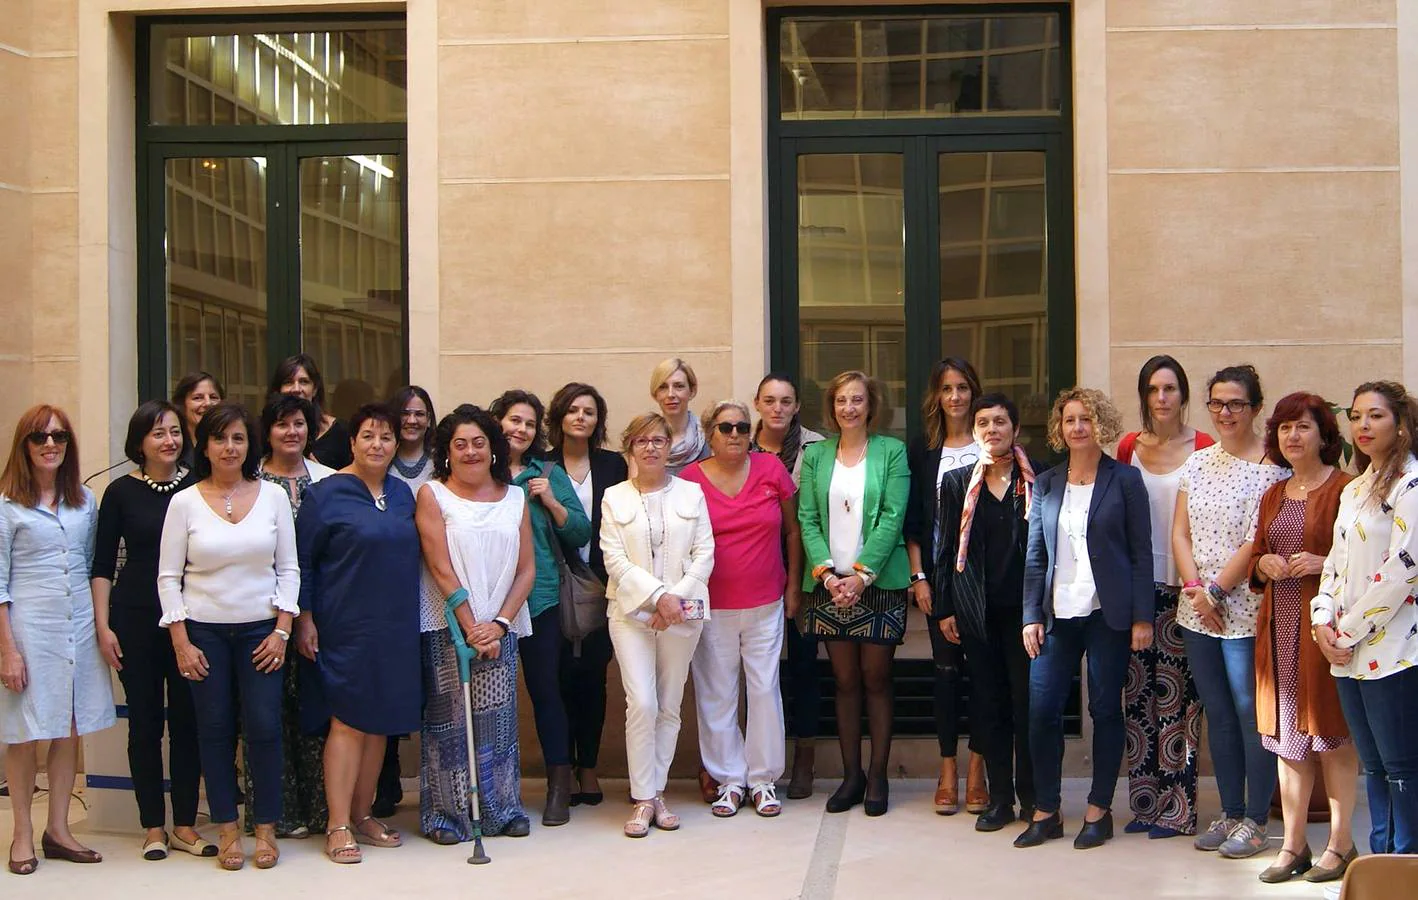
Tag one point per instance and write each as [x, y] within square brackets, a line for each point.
[478, 194]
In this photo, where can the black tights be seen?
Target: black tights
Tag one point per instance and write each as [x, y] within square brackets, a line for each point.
[863, 670]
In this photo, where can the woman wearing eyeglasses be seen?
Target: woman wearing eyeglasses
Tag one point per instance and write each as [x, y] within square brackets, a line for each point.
[855, 488]
[753, 510]
[659, 550]
[54, 685]
[1218, 500]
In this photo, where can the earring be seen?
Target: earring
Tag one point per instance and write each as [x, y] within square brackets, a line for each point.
[494, 459]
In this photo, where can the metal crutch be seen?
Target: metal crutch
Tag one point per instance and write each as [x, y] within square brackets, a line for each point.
[466, 655]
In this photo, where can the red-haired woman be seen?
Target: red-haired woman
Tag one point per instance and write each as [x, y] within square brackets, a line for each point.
[55, 683]
[1297, 704]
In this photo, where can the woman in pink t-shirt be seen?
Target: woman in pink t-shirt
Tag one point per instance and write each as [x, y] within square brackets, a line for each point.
[752, 508]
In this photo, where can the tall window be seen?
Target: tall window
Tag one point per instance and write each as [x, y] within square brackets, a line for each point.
[922, 201]
[272, 197]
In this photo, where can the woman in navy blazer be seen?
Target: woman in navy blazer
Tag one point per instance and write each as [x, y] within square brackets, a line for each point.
[1087, 589]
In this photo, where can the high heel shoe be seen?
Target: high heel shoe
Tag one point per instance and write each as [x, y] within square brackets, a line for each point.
[876, 805]
[52, 849]
[1041, 830]
[848, 794]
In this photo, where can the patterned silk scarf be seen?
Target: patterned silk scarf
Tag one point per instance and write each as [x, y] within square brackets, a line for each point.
[1024, 487]
[689, 448]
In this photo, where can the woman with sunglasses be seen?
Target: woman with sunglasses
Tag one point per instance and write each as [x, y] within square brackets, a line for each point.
[754, 513]
[54, 685]
[1218, 499]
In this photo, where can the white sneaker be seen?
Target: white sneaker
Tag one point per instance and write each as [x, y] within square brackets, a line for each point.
[1332, 891]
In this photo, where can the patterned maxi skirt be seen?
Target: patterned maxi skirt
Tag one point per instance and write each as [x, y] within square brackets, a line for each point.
[878, 617]
[443, 779]
[1163, 720]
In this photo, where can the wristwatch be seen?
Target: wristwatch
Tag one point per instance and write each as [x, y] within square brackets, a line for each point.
[917, 576]
[504, 622]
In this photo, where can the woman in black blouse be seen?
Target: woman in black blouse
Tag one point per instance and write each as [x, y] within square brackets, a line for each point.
[576, 424]
[299, 375]
[126, 619]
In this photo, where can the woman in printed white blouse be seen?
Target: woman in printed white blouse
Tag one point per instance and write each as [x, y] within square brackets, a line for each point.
[1218, 499]
[1364, 616]
[229, 585]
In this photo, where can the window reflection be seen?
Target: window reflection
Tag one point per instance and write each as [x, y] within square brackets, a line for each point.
[277, 78]
[902, 67]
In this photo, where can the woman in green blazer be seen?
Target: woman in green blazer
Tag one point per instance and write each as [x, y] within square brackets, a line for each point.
[851, 504]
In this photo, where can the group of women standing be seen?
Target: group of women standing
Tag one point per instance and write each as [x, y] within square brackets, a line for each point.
[1182, 569]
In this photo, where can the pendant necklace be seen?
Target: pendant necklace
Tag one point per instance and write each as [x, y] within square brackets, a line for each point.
[847, 502]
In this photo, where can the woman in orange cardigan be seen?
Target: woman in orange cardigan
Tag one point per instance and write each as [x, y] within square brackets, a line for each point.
[1297, 706]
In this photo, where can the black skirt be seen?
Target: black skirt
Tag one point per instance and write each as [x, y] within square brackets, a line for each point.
[878, 617]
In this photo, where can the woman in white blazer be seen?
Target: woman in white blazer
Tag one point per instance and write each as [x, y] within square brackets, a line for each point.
[659, 550]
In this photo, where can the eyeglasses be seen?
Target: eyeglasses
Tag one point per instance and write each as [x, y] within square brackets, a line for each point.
[659, 442]
[415, 414]
[731, 427]
[1231, 406]
[40, 438]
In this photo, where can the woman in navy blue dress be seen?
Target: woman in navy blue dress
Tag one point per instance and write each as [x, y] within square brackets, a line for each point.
[359, 626]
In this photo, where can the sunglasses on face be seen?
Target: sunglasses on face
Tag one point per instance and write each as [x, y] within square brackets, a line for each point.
[731, 427]
[40, 438]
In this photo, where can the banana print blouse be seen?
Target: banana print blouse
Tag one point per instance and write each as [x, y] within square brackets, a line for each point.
[1370, 577]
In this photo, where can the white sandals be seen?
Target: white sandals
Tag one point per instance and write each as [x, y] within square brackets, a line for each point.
[728, 802]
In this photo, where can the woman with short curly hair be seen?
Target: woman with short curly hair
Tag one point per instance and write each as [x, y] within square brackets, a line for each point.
[1087, 591]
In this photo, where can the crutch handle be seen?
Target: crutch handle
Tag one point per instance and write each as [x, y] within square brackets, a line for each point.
[466, 654]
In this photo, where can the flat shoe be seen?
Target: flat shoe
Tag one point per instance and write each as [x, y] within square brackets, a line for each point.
[345, 854]
[443, 837]
[155, 850]
[638, 825]
[55, 850]
[1096, 833]
[1041, 830]
[521, 826]
[1299, 864]
[1319, 874]
[664, 819]
[198, 847]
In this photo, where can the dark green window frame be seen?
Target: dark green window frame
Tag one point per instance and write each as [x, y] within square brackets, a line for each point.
[919, 140]
[283, 146]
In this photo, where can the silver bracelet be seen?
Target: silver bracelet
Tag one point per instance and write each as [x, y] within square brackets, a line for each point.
[285, 635]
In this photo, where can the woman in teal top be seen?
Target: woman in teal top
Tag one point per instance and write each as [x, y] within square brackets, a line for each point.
[851, 504]
[556, 515]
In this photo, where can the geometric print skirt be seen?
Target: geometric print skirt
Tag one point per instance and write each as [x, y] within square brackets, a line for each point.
[1162, 714]
[443, 775]
[878, 617]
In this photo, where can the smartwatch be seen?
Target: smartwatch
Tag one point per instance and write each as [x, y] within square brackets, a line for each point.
[503, 621]
[918, 576]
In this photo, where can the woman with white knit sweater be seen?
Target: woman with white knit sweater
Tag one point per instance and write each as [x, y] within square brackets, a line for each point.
[229, 583]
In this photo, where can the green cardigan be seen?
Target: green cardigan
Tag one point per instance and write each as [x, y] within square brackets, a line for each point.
[546, 589]
[888, 491]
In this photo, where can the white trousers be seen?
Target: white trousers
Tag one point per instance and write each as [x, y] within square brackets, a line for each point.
[738, 642]
[653, 668]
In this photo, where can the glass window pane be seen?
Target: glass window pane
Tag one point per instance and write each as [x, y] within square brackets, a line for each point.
[851, 271]
[895, 66]
[993, 268]
[279, 78]
[352, 284]
[216, 240]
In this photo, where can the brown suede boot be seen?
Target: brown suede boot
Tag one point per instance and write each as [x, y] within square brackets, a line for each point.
[558, 808]
[800, 785]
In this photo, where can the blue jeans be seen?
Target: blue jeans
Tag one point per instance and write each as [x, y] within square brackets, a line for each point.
[231, 678]
[1224, 670]
[1051, 677]
[1383, 718]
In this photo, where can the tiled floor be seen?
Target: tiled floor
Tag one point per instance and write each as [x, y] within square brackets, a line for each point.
[910, 852]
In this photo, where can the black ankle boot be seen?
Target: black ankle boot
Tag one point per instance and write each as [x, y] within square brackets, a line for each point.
[996, 817]
[558, 808]
[1041, 830]
[849, 793]
[875, 805]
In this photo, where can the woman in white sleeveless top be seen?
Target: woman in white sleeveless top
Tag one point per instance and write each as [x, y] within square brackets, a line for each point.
[477, 538]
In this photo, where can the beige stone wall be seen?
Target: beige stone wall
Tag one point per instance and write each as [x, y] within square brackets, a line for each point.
[1253, 191]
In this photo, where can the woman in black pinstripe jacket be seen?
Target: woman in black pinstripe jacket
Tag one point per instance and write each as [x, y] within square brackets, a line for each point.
[979, 592]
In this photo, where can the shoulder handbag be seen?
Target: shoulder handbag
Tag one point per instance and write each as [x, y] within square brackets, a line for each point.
[582, 606]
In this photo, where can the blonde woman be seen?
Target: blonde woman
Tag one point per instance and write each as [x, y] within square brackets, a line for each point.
[658, 547]
[673, 385]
